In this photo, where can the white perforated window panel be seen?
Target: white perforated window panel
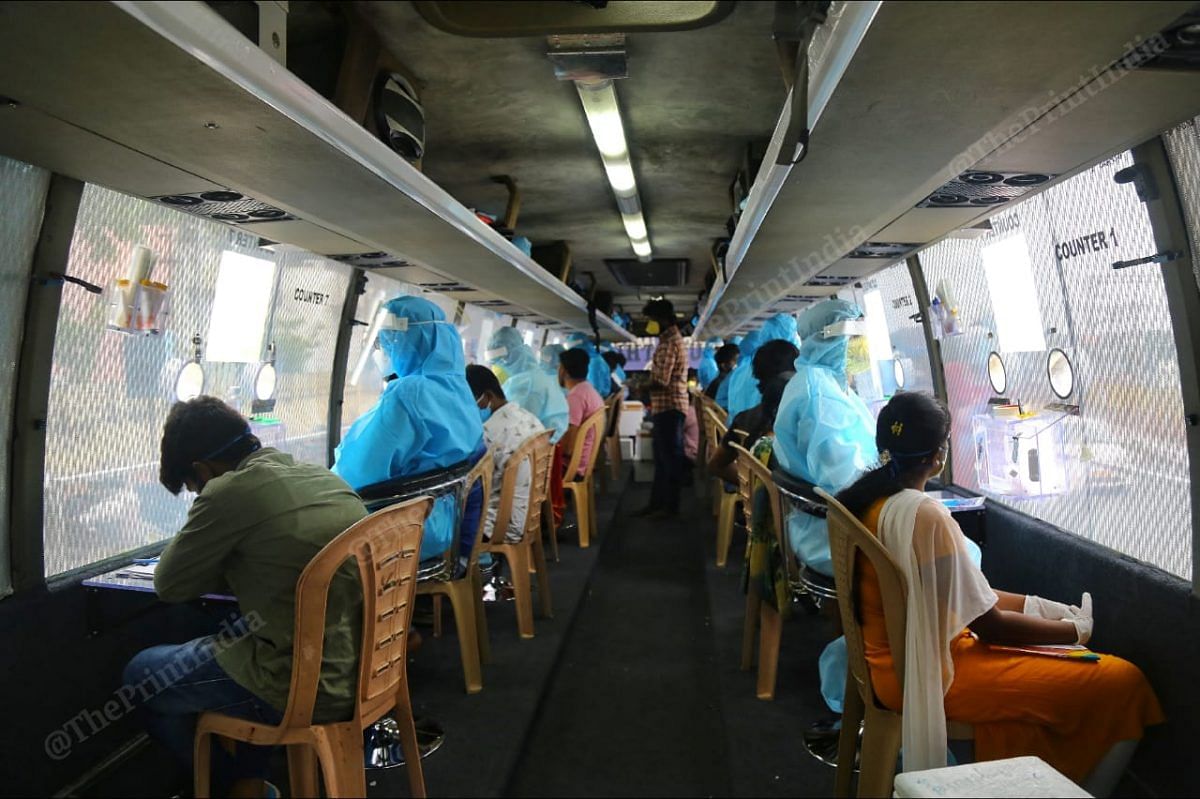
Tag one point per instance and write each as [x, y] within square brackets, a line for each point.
[110, 393]
[22, 198]
[1126, 457]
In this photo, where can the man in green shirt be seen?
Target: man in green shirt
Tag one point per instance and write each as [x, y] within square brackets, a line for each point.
[258, 519]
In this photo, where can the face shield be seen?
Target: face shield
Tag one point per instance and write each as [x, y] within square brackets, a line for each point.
[416, 338]
[858, 355]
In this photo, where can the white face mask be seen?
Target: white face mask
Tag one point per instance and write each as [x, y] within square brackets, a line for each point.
[382, 362]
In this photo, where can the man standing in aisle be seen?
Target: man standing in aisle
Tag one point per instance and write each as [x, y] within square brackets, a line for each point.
[668, 408]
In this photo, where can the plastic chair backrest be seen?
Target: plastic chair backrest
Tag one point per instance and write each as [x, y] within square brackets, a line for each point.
[716, 417]
[751, 474]
[847, 538]
[613, 406]
[386, 549]
[481, 474]
[538, 453]
[594, 424]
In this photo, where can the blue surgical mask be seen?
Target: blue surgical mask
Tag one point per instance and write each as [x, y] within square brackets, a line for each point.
[485, 413]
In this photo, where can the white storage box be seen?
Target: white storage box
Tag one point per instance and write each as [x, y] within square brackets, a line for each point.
[632, 414]
[627, 445]
[643, 449]
[1015, 776]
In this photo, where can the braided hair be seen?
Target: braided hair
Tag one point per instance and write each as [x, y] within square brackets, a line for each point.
[910, 431]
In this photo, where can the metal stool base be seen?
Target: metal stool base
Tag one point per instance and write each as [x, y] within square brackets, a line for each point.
[821, 741]
[381, 742]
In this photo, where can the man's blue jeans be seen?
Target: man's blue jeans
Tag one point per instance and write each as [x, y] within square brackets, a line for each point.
[179, 682]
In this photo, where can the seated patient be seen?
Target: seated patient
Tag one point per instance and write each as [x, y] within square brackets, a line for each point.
[1082, 718]
[771, 368]
[506, 426]
[726, 359]
[425, 419]
[258, 519]
[583, 401]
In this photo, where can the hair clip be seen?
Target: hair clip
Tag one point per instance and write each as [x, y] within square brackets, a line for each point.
[897, 428]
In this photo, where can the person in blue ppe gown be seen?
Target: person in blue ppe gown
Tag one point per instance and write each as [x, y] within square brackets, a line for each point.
[707, 371]
[425, 420]
[599, 375]
[616, 363]
[548, 359]
[743, 388]
[747, 346]
[527, 384]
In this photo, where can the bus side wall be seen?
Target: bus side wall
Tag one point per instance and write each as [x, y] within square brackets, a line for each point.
[58, 680]
[1142, 614]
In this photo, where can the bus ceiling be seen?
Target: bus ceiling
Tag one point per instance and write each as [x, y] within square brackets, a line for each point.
[651, 152]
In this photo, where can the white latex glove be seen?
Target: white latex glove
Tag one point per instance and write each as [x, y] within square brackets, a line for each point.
[1081, 617]
[1045, 608]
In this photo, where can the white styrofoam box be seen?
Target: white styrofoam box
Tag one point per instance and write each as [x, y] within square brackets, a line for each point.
[1014, 776]
[627, 444]
[644, 447]
[632, 414]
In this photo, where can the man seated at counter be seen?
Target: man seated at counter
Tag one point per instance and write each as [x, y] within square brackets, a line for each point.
[583, 401]
[506, 426]
[425, 420]
[258, 519]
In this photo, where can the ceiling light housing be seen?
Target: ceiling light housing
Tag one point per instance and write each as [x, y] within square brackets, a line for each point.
[599, 100]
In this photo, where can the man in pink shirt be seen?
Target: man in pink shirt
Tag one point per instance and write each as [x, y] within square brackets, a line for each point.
[582, 401]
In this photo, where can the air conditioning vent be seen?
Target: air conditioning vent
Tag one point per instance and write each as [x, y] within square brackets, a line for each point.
[445, 287]
[880, 249]
[657, 273]
[984, 189]
[829, 280]
[225, 206]
[370, 260]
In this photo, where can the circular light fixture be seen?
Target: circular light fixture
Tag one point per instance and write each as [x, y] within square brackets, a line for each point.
[189, 383]
[997, 374]
[1061, 373]
[264, 382]
[898, 371]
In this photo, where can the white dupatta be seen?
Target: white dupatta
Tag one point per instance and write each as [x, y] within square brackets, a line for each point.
[946, 592]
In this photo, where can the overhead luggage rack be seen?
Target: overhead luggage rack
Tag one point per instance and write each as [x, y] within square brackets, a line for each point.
[167, 101]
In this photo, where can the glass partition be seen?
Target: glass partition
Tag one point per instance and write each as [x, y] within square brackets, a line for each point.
[110, 391]
[1101, 453]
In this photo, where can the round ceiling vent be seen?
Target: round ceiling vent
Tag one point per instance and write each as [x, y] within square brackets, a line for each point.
[1032, 179]
[947, 199]
[980, 178]
[994, 200]
[221, 196]
[267, 213]
[180, 199]
[230, 217]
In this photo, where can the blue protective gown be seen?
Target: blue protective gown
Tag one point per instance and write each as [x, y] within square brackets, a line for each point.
[549, 359]
[426, 419]
[708, 370]
[747, 346]
[527, 384]
[743, 388]
[824, 432]
[599, 375]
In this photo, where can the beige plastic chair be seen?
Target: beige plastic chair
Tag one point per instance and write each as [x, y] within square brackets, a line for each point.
[466, 592]
[385, 547]
[583, 491]
[726, 502]
[762, 616]
[527, 554]
[608, 457]
[881, 726]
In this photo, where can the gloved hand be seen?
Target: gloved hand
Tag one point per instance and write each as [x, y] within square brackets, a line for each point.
[1081, 617]
[1045, 608]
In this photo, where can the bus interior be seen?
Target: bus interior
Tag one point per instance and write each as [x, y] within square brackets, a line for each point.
[222, 198]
